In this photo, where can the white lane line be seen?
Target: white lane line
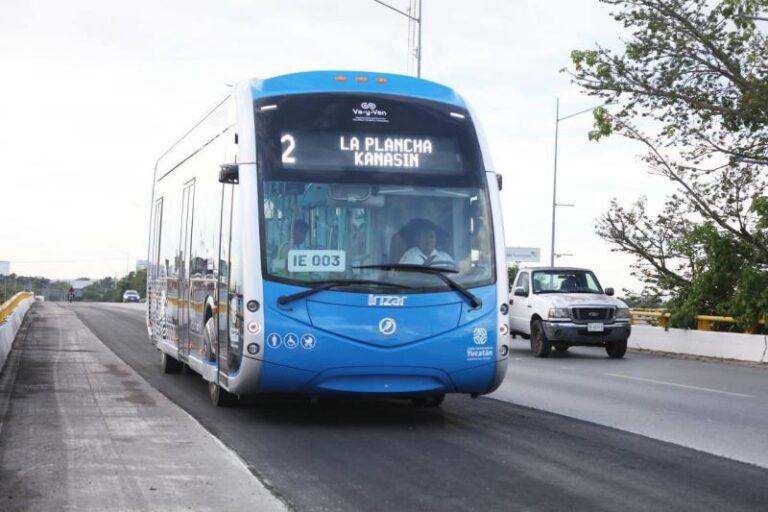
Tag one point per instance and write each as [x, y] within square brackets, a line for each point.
[709, 390]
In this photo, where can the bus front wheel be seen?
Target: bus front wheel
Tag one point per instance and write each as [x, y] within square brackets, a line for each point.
[220, 397]
[429, 401]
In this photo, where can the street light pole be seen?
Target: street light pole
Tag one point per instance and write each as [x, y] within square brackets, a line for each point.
[554, 179]
[417, 19]
[554, 184]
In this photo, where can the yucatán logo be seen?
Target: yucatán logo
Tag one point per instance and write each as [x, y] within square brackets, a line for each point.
[368, 112]
[386, 300]
[480, 336]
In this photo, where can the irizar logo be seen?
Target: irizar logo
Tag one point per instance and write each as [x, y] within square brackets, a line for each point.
[387, 300]
[369, 112]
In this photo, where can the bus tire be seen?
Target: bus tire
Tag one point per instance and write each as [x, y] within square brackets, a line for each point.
[616, 349]
[209, 340]
[169, 364]
[429, 401]
[540, 345]
[220, 397]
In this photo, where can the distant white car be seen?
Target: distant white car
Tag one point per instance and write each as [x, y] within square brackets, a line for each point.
[561, 307]
[131, 296]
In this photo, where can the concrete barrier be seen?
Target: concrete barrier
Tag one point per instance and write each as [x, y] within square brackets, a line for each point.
[723, 345]
[13, 314]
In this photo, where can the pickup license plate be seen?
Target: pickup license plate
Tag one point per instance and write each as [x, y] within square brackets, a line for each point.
[595, 327]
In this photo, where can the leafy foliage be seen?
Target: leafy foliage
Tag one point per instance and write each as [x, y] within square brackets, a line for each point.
[512, 271]
[11, 284]
[109, 290]
[691, 86]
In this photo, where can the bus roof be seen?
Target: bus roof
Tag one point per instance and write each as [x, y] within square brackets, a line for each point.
[328, 81]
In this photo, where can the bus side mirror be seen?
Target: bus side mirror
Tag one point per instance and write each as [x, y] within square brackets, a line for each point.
[609, 292]
[499, 180]
[229, 173]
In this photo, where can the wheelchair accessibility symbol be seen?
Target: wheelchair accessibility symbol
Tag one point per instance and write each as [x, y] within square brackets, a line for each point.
[291, 340]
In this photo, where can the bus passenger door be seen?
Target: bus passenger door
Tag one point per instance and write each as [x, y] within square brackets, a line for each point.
[222, 297]
[187, 208]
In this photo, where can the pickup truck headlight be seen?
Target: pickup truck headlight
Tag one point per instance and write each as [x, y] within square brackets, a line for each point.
[622, 313]
[558, 313]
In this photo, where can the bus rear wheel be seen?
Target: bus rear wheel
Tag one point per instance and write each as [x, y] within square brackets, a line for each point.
[220, 397]
[169, 364]
[429, 401]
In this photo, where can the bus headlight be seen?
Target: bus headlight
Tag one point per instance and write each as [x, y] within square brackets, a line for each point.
[558, 313]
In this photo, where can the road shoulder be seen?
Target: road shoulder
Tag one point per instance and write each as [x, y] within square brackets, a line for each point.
[81, 429]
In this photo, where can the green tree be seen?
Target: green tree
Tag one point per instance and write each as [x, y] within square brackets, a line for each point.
[691, 86]
[512, 271]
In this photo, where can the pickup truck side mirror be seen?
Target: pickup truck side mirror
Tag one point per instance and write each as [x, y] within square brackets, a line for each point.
[520, 291]
[609, 292]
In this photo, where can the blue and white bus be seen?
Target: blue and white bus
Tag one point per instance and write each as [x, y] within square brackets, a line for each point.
[331, 233]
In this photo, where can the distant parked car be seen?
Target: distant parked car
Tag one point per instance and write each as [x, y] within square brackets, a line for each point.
[131, 296]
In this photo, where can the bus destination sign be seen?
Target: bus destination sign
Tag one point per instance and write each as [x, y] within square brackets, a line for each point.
[394, 153]
[386, 151]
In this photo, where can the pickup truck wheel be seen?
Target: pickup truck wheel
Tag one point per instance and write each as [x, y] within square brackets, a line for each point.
[616, 349]
[540, 346]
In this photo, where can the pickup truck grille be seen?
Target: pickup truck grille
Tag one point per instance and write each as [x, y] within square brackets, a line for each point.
[592, 314]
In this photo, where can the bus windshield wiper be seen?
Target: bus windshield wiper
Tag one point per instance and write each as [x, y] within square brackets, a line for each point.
[440, 272]
[327, 285]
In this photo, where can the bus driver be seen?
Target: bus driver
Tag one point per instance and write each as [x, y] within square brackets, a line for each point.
[425, 251]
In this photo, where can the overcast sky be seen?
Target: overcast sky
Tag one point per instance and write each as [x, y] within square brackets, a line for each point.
[91, 92]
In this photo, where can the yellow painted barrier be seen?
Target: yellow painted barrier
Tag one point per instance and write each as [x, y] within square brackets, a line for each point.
[7, 307]
[653, 315]
[703, 322]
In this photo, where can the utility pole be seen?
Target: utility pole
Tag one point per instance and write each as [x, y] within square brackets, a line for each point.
[412, 19]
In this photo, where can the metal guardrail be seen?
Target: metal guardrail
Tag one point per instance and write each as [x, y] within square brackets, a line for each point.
[7, 307]
[661, 318]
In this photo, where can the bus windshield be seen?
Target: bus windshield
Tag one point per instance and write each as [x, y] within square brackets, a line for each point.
[340, 193]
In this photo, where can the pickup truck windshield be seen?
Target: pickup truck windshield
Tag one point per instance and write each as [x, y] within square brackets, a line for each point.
[565, 281]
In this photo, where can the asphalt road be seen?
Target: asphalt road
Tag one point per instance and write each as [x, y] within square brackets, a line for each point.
[720, 408]
[482, 454]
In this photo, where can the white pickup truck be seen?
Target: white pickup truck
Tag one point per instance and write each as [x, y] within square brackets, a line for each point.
[562, 307]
